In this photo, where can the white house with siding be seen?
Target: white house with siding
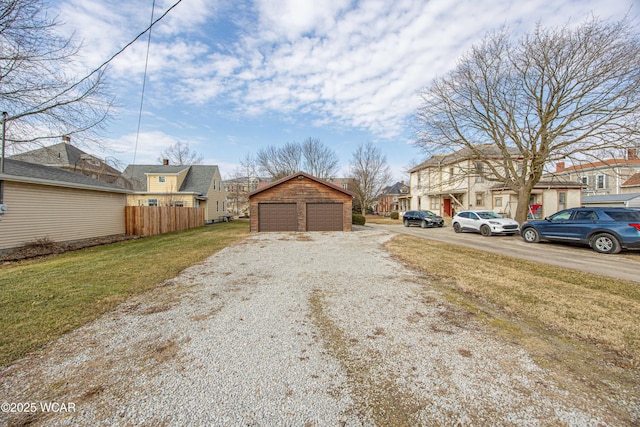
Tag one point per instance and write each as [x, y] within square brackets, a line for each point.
[62, 206]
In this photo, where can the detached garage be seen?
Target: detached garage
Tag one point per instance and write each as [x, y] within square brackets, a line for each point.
[300, 202]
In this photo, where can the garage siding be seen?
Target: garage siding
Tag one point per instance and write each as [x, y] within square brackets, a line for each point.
[300, 202]
[325, 217]
[278, 217]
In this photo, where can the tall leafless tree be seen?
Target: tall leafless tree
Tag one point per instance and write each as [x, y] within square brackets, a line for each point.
[554, 94]
[371, 173]
[310, 156]
[180, 154]
[319, 160]
[39, 84]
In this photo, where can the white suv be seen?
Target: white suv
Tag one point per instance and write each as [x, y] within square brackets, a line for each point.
[484, 222]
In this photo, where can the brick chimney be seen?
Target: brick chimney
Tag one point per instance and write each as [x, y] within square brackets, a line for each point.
[632, 154]
[559, 167]
[165, 162]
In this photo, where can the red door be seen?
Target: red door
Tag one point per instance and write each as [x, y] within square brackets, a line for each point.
[447, 207]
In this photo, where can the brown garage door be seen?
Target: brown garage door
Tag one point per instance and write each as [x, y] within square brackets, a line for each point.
[324, 217]
[277, 217]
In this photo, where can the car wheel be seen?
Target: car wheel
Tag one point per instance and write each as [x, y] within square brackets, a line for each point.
[406, 222]
[531, 235]
[456, 227]
[605, 243]
[485, 230]
[423, 224]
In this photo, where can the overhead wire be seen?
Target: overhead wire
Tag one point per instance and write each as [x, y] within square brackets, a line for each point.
[111, 58]
[144, 84]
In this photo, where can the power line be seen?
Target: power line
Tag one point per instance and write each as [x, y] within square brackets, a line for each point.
[144, 82]
[105, 63]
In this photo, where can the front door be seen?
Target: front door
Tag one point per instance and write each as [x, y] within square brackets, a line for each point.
[447, 207]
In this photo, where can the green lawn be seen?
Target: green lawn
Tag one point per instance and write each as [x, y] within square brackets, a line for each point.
[43, 299]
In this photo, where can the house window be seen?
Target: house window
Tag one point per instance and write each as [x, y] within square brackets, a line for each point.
[217, 206]
[585, 180]
[152, 202]
[498, 202]
[214, 184]
[451, 173]
[479, 199]
[434, 203]
[162, 179]
[179, 204]
[600, 181]
[562, 200]
[479, 171]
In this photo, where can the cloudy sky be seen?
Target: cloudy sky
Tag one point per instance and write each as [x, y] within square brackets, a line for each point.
[231, 76]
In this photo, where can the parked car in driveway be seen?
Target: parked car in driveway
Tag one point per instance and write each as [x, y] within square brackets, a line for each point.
[422, 218]
[606, 230]
[484, 222]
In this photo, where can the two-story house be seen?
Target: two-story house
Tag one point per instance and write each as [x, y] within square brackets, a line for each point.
[604, 177]
[394, 198]
[447, 183]
[178, 185]
[71, 158]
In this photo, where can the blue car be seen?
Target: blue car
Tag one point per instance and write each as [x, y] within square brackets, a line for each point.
[606, 230]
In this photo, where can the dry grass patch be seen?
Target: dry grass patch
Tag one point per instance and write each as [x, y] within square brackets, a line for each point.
[594, 309]
[377, 219]
[582, 327]
[43, 299]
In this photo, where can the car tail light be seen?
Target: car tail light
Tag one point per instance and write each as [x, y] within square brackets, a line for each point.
[636, 226]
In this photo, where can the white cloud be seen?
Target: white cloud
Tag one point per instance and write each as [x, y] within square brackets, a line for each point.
[346, 63]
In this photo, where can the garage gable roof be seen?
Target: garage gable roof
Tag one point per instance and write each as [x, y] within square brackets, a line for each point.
[295, 176]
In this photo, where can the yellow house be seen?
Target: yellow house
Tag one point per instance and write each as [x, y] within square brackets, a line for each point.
[197, 186]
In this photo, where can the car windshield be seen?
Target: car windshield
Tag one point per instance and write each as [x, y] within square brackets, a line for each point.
[488, 215]
[428, 213]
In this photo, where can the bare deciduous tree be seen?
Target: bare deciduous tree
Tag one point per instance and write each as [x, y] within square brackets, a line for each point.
[240, 183]
[180, 154]
[555, 94]
[319, 160]
[371, 173]
[39, 89]
[311, 156]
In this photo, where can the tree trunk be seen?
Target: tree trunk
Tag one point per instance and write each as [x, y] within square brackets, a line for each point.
[524, 194]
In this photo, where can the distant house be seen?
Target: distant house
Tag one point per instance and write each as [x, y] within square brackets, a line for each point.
[394, 198]
[43, 202]
[608, 176]
[68, 157]
[197, 186]
[237, 190]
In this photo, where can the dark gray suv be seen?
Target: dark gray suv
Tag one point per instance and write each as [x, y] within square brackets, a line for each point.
[606, 230]
[422, 218]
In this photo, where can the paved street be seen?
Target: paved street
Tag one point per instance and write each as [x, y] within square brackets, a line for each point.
[625, 265]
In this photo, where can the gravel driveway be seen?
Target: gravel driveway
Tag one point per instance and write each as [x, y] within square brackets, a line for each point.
[304, 329]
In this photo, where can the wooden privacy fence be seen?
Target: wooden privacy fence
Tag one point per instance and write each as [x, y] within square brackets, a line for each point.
[152, 220]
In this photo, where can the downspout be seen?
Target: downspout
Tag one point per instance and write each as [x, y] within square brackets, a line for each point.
[4, 128]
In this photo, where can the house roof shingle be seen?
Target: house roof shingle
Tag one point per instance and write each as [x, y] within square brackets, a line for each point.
[61, 155]
[31, 172]
[634, 181]
[480, 150]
